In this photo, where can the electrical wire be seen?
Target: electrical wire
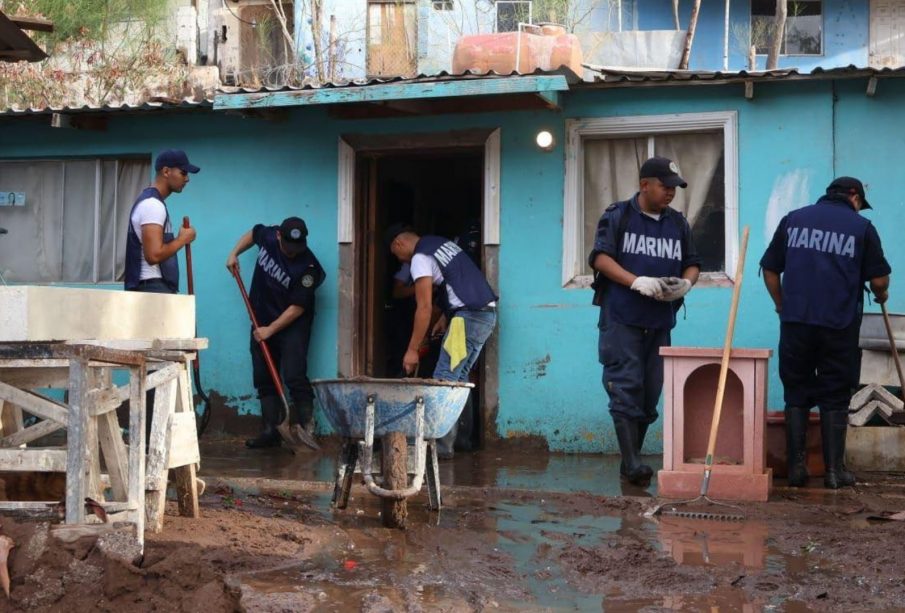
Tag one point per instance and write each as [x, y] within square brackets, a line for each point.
[253, 24]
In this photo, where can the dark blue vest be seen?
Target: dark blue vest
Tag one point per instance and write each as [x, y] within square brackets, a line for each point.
[459, 272]
[647, 248]
[821, 283]
[280, 281]
[169, 268]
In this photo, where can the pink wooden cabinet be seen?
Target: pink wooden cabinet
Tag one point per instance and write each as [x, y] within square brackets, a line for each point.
[690, 382]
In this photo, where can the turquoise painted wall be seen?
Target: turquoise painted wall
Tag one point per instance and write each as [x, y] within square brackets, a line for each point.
[255, 170]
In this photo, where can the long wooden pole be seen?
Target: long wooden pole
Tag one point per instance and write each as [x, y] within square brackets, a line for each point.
[689, 36]
[724, 364]
[779, 30]
[893, 349]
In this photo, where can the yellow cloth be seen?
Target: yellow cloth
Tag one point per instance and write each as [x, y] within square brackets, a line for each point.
[454, 344]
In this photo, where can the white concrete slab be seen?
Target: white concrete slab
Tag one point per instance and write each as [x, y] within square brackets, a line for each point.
[45, 313]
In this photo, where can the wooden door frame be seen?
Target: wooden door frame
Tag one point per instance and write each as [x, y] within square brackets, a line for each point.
[350, 355]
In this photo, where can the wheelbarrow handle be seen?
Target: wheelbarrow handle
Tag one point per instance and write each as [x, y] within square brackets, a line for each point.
[268, 359]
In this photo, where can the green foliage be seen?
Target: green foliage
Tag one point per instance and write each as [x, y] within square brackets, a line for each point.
[89, 19]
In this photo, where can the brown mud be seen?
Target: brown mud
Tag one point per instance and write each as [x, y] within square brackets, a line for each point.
[271, 543]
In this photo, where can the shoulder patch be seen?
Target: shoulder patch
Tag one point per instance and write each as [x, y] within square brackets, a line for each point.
[308, 280]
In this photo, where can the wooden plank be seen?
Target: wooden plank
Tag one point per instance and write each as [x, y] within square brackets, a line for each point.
[104, 401]
[160, 344]
[34, 24]
[35, 403]
[183, 441]
[70, 534]
[77, 442]
[32, 433]
[183, 425]
[187, 491]
[395, 91]
[137, 417]
[31, 377]
[29, 505]
[154, 380]
[34, 460]
[158, 446]
[114, 450]
[10, 417]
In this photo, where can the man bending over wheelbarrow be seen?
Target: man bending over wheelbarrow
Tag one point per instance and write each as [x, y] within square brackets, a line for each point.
[282, 297]
[468, 302]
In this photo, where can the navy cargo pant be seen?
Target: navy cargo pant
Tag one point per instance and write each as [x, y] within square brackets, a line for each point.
[819, 366]
[289, 349]
[632, 367]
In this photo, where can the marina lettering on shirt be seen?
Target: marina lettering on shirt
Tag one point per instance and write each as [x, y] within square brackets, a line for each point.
[269, 266]
[639, 244]
[819, 240]
[447, 252]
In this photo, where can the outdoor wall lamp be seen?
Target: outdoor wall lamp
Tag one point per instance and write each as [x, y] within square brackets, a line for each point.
[545, 140]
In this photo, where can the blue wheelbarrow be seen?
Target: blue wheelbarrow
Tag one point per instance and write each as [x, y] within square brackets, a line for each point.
[396, 411]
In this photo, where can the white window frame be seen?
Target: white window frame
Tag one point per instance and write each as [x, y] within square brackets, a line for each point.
[575, 271]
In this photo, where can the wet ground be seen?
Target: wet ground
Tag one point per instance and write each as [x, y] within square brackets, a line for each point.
[518, 531]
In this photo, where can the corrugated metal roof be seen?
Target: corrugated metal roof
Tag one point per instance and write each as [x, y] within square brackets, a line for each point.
[421, 78]
[155, 104]
[605, 76]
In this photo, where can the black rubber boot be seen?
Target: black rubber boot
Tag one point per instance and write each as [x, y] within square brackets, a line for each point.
[627, 437]
[796, 445]
[639, 445]
[833, 427]
[271, 414]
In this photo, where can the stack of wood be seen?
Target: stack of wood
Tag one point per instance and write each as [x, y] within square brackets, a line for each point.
[875, 400]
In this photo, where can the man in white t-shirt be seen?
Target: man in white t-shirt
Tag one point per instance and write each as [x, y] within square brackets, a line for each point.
[468, 302]
[151, 248]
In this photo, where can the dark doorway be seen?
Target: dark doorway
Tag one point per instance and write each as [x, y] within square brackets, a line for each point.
[436, 192]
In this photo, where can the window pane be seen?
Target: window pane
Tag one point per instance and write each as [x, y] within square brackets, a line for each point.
[611, 168]
[803, 31]
[31, 250]
[106, 222]
[78, 220]
[133, 177]
[701, 163]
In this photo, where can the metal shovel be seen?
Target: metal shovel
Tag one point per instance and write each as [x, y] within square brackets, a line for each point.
[293, 435]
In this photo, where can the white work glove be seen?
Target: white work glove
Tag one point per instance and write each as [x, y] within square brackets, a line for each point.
[652, 287]
[674, 288]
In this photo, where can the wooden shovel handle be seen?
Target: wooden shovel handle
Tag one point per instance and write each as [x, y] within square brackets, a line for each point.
[727, 350]
[893, 349]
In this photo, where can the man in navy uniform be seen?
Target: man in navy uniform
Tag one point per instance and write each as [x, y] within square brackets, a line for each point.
[467, 300]
[151, 248]
[645, 262]
[282, 295]
[815, 270]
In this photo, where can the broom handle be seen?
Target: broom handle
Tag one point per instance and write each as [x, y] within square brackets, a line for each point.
[724, 363]
[893, 349]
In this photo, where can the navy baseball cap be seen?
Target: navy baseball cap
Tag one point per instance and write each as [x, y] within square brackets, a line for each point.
[294, 235]
[393, 231]
[174, 158]
[663, 169]
[847, 185]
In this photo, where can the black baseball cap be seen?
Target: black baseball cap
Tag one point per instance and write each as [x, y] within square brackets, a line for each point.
[847, 185]
[393, 231]
[174, 158]
[294, 235]
[663, 169]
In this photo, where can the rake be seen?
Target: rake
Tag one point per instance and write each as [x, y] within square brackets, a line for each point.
[671, 507]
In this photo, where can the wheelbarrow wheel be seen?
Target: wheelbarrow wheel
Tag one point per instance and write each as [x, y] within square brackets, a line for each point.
[395, 477]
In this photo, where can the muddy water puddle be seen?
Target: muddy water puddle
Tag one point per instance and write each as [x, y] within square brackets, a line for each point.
[512, 555]
[506, 468]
